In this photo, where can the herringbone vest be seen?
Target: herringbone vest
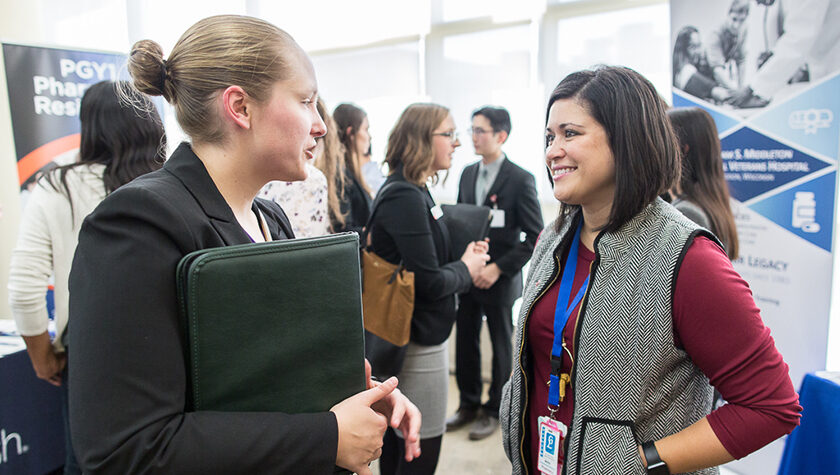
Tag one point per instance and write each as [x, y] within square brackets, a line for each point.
[631, 384]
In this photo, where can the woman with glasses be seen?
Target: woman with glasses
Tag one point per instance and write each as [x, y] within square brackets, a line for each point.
[406, 229]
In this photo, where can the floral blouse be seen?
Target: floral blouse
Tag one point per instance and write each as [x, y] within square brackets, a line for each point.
[305, 202]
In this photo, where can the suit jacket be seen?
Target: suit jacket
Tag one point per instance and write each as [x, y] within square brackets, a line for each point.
[404, 229]
[128, 381]
[515, 192]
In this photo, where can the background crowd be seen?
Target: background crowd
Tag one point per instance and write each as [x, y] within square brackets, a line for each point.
[617, 347]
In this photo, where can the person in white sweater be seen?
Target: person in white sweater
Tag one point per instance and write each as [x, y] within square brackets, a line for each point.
[116, 146]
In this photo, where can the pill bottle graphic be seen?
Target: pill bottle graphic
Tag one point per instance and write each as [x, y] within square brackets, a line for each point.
[805, 212]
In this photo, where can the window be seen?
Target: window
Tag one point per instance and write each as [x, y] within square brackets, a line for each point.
[381, 80]
[340, 24]
[634, 37]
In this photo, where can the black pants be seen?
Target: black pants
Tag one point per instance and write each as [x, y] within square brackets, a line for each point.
[393, 461]
[468, 352]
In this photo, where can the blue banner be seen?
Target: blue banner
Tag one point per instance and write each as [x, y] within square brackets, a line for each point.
[768, 71]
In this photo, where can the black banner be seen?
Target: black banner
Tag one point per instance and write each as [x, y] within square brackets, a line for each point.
[45, 88]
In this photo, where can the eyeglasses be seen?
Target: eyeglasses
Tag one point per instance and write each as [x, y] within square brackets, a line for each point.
[479, 131]
[453, 136]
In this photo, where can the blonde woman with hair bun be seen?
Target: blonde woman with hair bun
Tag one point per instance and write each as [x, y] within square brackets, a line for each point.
[244, 93]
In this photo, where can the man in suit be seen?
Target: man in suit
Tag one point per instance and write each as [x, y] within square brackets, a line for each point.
[511, 193]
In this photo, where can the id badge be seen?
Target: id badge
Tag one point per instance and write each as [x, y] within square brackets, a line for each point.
[436, 211]
[497, 218]
[552, 435]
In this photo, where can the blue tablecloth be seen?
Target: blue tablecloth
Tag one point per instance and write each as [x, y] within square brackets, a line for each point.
[31, 429]
[813, 448]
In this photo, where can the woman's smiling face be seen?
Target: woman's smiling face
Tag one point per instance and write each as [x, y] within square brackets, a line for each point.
[579, 157]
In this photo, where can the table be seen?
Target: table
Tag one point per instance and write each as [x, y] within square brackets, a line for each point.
[31, 428]
[814, 447]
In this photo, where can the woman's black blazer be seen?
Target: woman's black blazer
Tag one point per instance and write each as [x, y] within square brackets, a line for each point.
[404, 229]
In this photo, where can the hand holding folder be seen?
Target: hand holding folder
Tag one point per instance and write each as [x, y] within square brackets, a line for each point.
[274, 326]
[278, 327]
[466, 223]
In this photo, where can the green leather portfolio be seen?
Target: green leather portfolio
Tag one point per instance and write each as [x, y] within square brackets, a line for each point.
[274, 326]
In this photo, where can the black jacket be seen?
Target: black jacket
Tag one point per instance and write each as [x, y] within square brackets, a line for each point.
[404, 229]
[515, 192]
[128, 378]
[354, 205]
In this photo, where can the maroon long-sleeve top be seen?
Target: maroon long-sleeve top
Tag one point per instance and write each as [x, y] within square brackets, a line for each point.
[718, 324]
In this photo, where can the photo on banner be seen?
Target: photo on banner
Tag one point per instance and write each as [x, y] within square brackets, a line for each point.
[745, 55]
[768, 71]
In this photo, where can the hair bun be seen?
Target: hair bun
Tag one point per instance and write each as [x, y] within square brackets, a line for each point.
[148, 69]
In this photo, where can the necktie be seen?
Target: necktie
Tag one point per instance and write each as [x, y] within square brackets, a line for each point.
[481, 186]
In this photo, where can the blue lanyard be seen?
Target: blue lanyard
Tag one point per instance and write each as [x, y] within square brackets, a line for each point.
[561, 317]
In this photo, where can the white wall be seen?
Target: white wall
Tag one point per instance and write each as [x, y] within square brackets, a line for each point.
[16, 25]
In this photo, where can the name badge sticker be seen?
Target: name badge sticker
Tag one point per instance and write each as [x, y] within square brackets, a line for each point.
[497, 218]
[436, 211]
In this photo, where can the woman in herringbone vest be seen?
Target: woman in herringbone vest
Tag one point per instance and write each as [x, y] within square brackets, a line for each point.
[632, 313]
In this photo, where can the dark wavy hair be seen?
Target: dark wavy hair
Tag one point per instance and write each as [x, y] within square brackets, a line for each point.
[349, 116]
[127, 140]
[639, 135]
[702, 180]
